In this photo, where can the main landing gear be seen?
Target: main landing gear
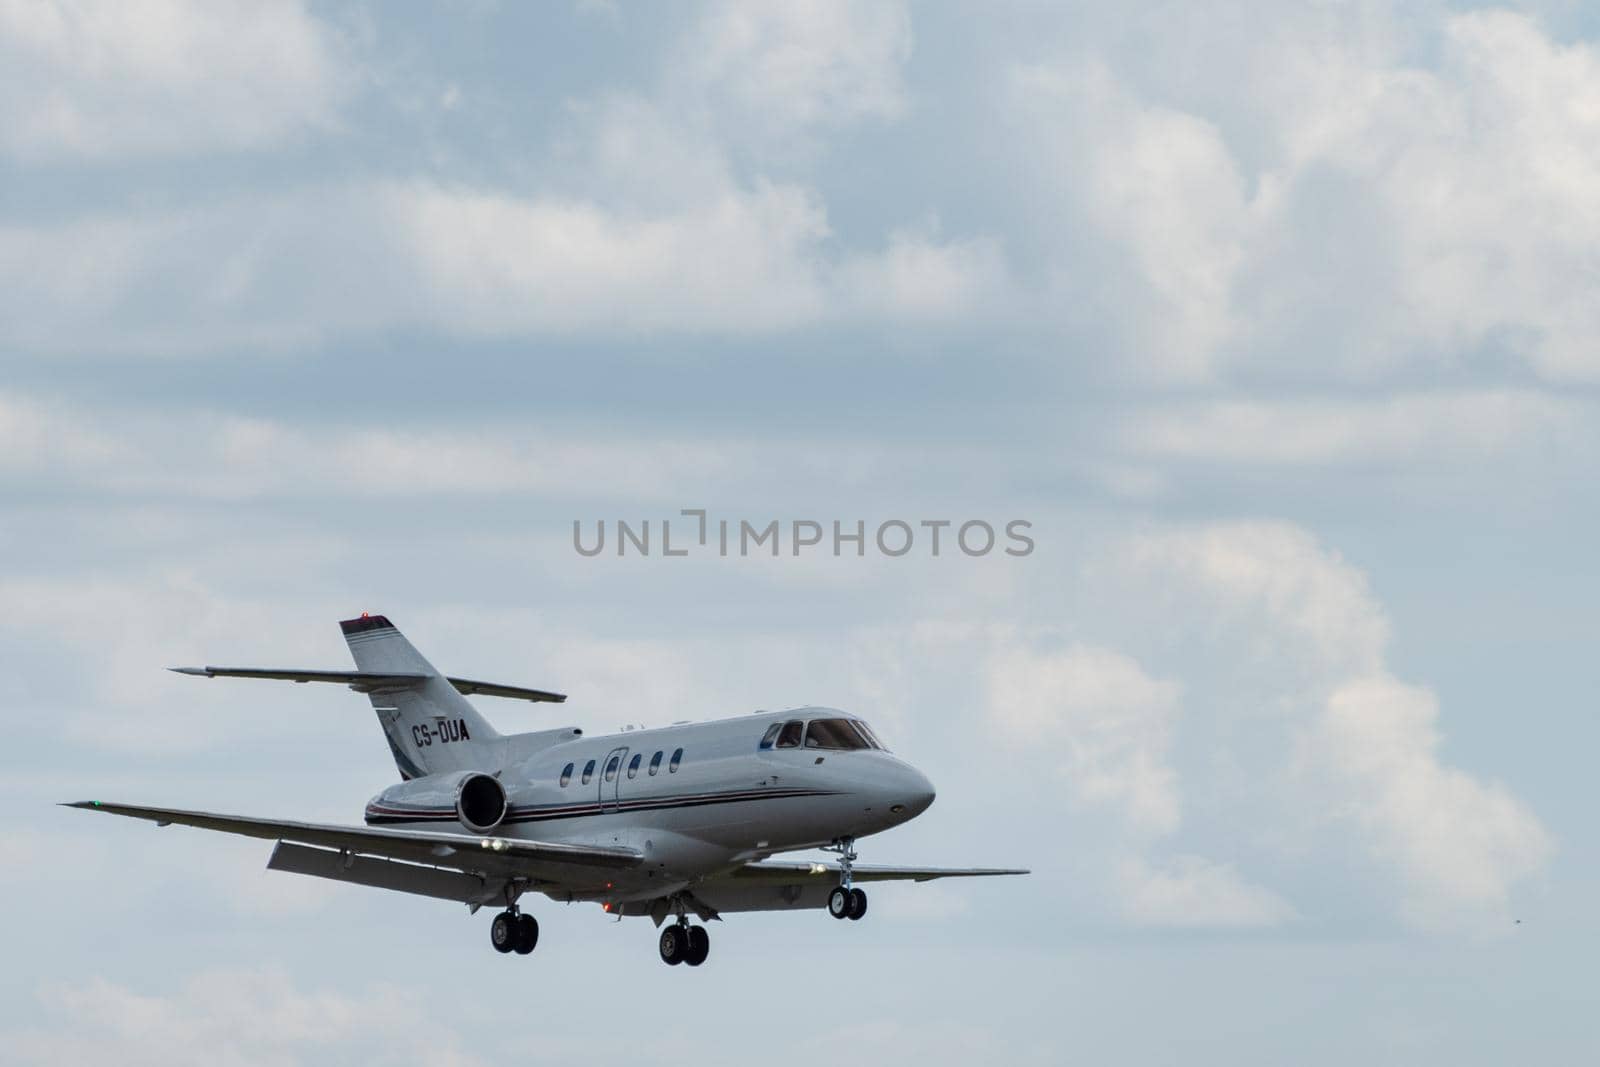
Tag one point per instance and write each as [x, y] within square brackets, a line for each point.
[682, 943]
[846, 901]
[512, 931]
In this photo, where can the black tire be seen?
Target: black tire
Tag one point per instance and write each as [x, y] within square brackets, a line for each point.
[503, 932]
[839, 902]
[527, 934]
[858, 903]
[699, 946]
[673, 943]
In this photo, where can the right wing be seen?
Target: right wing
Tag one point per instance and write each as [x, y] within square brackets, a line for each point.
[367, 681]
[769, 873]
[785, 886]
[454, 866]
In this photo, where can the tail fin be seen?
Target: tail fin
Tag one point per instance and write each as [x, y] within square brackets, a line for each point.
[430, 727]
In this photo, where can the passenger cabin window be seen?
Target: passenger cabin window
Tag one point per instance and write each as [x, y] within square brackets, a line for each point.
[633, 764]
[677, 758]
[771, 735]
[611, 768]
[566, 775]
[835, 734]
[588, 772]
[655, 763]
[789, 736]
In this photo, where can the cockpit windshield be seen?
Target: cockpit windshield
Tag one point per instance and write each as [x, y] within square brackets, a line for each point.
[836, 734]
[866, 731]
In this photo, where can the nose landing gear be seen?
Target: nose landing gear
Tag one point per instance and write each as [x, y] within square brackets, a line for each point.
[846, 901]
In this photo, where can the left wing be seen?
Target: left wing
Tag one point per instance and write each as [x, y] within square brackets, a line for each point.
[365, 854]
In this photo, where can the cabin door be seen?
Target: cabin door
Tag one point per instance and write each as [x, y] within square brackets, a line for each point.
[611, 779]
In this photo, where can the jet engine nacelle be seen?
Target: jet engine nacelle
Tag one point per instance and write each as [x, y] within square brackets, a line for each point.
[477, 800]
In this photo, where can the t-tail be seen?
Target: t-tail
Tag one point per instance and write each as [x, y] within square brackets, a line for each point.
[430, 727]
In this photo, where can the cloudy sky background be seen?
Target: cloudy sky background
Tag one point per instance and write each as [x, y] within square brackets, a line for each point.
[1277, 323]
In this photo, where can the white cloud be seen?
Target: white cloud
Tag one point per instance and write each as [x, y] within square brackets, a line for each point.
[734, 261]
[640, 223]
[1112, 722]
[1314, 605]
[1364, 759]
[1159, 187]
[111, 691]
[236, 1017]
[1191, 891]
[1405, 428]
[795, 65]
[158, 77]
[1498, 190]
[240, 273]
[304, 267]
[1470, 193]
[916, 278]
[201, 455]
[1299, 751]
[1461, 844]
[1315, 205]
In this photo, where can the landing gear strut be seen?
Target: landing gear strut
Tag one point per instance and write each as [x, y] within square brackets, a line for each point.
[846, 901]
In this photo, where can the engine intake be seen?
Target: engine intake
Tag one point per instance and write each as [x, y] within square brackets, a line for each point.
[480, 803]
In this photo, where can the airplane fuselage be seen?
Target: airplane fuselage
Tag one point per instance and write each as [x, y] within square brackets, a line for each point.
[693, 799]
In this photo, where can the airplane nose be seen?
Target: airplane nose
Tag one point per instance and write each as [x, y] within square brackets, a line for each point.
[913, 793]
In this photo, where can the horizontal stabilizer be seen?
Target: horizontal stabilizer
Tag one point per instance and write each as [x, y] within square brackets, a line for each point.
[359, 680]
[367, 681]
[468, 687]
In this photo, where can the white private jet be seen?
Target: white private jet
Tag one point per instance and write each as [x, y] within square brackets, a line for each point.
[646, 822]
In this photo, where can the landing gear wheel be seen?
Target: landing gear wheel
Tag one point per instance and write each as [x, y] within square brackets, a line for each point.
[503, 932]
[858, 904]
[674, 944]
[839, 902]
[699, 946]
[527, 934]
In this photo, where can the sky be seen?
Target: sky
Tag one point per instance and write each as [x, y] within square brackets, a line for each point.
[1273, 324]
